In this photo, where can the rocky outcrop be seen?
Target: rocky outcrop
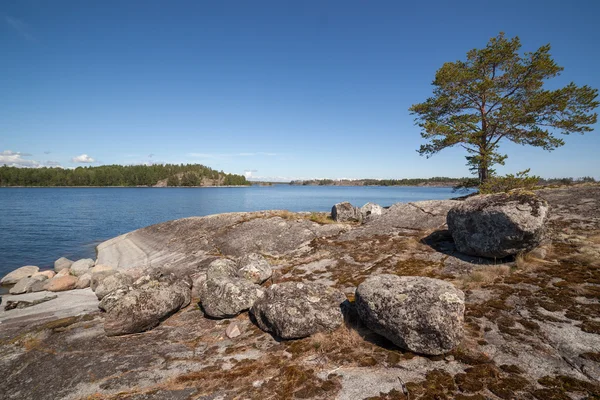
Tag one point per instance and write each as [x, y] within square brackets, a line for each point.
[14, 276]
[293, 310]
[61, 283]
[345, 212]
[254, 268]
[143, 308]
[81, 267]
[61, 264]
[419, 314]
[498, 225]
[25, 285]
[226, 297]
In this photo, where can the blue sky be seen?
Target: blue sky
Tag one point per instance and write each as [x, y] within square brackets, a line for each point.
[286, 89]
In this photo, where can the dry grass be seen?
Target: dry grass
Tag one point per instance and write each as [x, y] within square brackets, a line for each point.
[321, 218]
[344, 337]
[482, 276]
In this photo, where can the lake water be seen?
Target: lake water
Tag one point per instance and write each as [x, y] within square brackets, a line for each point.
[39, 225]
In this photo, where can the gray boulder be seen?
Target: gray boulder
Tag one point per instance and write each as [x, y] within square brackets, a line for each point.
[108, 301]
[293, 310]
[498, 225]
[84, 281]
[61, 264]
[419, 314]
[370, 211]
[221, 267]
[81, 267]
[255, 268]
[15, 276]
[38, 286]
[226, 297]
[345, 212]
[144, 308]
[112, 283]
[25, 284]
[97, 277]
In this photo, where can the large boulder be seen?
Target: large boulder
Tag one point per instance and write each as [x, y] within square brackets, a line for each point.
[61, 264]
[82, 266]
[226, 297]
[144, 308]
[293, 310]
[111, 283]
[419, 314]
[25, 284]
[371, 211]
[345, 212]
[498, 225]
[221, 267]
[61, 283]
[15, 276]
[255, 268]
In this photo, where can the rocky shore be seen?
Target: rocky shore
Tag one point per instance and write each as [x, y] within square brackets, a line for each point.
[489, 297]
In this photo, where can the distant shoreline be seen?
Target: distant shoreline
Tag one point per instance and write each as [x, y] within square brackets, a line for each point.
[122, 187]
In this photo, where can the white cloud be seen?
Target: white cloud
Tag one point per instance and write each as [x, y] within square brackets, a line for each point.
[84, 158]
[53, 164]
[15, 159]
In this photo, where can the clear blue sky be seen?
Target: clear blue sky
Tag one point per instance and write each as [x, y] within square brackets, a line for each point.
[291, 89]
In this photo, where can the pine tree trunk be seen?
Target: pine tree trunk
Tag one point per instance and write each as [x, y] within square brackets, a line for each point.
[483, 173]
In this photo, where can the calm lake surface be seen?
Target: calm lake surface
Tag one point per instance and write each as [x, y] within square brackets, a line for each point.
[39, 225]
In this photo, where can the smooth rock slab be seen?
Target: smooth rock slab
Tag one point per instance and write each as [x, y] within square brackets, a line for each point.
[293, 310]
[15, 276]
[498, 225]
[144, 308]
[419, 314]
[225, 297]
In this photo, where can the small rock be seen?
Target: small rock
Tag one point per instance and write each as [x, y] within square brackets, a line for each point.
[61, 264]
[61, 283]
[15, 276]
[198, 280]
[24, 285]
[100, 268]
[293, 310]
[81, 267]
[98, 276]
[345, 212]
[225, 297]
[84, 281]
[419, 314]
[233, 330]
[64, 272]
[47, 274]
[38, 286]
[255, 268]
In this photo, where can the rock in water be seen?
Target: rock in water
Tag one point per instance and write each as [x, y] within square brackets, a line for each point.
[225, 297]
[498, 225]
[419, 314]
[15, 276]
[143, 308]
[345, 212]
[370, 211]
[255, 268]
[62, 263]
[293, 310]
[61, 283]
[81, 267]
